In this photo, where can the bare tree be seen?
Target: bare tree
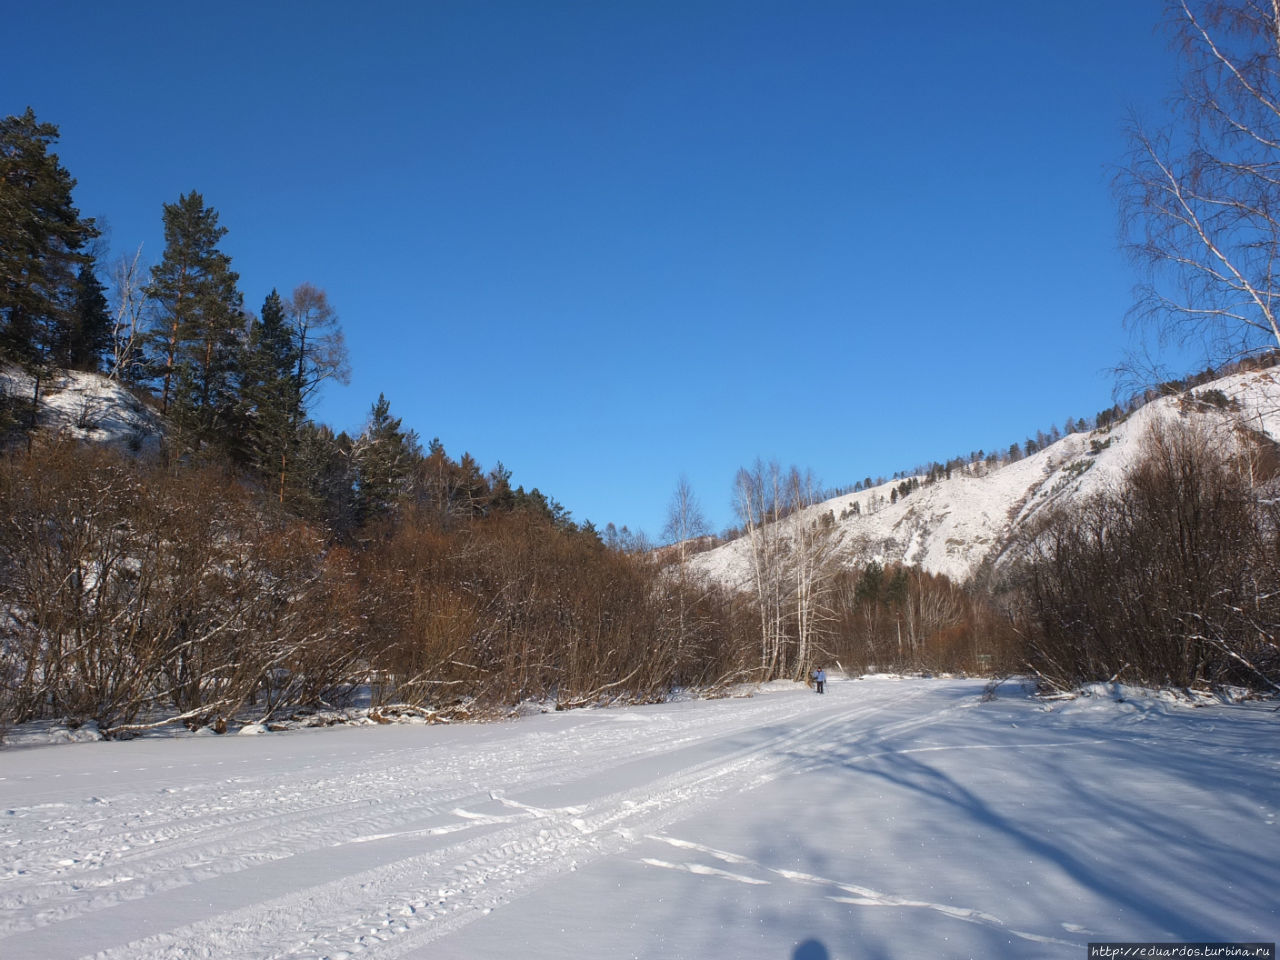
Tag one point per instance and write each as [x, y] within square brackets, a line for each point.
[685, 522]
[129, 291]
[320, 346]
[685, 519]
[758, 501]
[1169, 580]
[810, 554]
[1201, 197]
[789, 553]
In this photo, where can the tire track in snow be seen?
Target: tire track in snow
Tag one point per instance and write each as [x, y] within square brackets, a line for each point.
[399, 906]
[219, 835]
[195, 841]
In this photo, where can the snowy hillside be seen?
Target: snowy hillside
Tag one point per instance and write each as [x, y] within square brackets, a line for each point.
[953, 525]
[84, 406]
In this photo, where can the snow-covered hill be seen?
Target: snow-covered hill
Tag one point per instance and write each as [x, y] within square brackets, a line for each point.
[954, 525]
[84, 406]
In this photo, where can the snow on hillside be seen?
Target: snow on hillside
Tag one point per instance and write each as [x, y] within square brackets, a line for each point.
[888, 818]
[85, 406]
[952, 526]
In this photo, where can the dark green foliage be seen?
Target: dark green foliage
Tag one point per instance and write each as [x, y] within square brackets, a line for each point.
[41, 238]
[88, 335]
[540, 505]
[196, 341]
[895, 591]
[870, 583]
[322, 478]
[385, 456]
[269, 399]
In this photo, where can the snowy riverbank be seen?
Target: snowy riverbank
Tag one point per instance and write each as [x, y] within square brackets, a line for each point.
[889, 818]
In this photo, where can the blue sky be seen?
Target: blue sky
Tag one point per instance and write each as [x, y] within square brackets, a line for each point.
[612, 242]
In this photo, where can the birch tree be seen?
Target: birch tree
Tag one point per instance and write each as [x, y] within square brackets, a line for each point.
[1200, 196]
[685, 523]
[809, 556]
[760, 502]
[129, 318]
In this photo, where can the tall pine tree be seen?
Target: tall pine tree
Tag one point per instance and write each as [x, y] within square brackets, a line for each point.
[269, 395]
[385, 456]
[196, 344]
[41, 238]
[88, 336]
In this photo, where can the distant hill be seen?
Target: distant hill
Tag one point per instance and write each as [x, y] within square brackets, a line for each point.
[954, 526]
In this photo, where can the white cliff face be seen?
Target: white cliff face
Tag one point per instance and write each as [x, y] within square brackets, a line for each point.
[952, 526]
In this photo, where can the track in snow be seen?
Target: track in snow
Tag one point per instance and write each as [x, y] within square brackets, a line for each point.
[398, 847]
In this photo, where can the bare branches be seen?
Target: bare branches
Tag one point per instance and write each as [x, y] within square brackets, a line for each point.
[1201, 198]
[1170, 579]
[319, 344]
[129, 325]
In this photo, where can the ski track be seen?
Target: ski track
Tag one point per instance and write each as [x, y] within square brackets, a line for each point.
[854, 894]
[491, 846]
[248, 823]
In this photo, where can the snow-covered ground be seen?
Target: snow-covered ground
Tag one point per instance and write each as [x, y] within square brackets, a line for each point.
[888, 818]
[86, 406]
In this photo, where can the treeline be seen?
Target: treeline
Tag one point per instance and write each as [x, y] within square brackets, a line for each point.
[261, 562]
[936, 470]
[905, 619]
[137, 593]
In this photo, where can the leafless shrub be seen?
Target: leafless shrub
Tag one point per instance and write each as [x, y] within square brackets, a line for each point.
[1168, 581]
[135, 596]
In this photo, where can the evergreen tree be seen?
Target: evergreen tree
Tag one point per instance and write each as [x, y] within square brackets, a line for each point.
[870, 583]
[196, 342]
[385, 457]
[322, 484]
[270, 405]
[88, 336]
[41, 238]
[500, 493]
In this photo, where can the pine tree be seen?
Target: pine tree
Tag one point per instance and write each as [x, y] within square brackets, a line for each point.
[41, 238]
[385, 456]
[270, 405]
[196, 343]
[88, 336]
[323, 477]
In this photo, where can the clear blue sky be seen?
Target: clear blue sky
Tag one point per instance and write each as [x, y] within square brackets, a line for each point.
[611, 242]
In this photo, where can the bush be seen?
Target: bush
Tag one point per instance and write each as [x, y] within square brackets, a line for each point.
[1169, 580]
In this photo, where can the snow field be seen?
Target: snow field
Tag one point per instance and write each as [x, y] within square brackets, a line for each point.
[900, 818]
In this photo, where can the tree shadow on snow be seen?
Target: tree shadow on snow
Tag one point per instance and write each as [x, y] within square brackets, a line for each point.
[1117, 876]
